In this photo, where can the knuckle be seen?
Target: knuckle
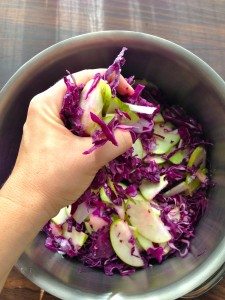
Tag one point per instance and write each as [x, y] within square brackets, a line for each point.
[35, 103]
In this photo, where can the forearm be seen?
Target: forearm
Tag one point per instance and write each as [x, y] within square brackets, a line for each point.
[20, 223]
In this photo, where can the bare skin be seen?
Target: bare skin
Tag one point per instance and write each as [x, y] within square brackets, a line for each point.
[46, 177]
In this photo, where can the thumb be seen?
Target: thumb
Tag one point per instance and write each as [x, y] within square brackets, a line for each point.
[109, 151]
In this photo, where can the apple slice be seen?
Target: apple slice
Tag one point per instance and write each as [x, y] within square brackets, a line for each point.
[179, 188]
[108, 118]
[96, 222]
[81, 213]
[148, 223]
[197, 157]
[144, 243]
[104, 197]
[138, 149]
[120, 236]
[165, 143]
[91, 102]
[77, 238]
[62, 216]
[158, 159]
[149, 190]
[138, 197]
[55, 229]
[88, 227]
[177, 157]
[158, 118]
[120, 209]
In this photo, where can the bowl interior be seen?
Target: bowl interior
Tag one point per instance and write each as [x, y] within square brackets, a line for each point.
[186, 81]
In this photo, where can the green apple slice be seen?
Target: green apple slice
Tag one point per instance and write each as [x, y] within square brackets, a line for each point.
[108, 118]
[144, 243]
[62, 216]
[88, 227]
[81, 213]
[120, 209]
[77, 238]
[96, 222]
[120, 235]
[104, 197]
[149, 224]
[179, 188]
[138, 197]
[177, 158]
[92, 102]
[138, 149]
[56, 229]
[197, 157]
[201, 174]
[193, 183]
[163, 129]
[158, 118]
[158, 159]
[164, 145]
[149, 190]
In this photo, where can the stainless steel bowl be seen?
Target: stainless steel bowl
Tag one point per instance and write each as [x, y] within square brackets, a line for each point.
[186, 80]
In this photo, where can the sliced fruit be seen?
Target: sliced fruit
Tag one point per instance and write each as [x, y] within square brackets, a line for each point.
[158, 159]
[138, 149]
[201, 174]
[81, 213]
[62, 216]
[193, 183]
[149, 190]
[91, 102]
[88, 227]
[104, 197]
[163, 129]
[120, 209]
[148, 223]
[138, 197]
[166, 142]
[177, 158]
[158, 118]
[108, 118]
[166, 248]
[77, 238]
[144, 243]
[120, 236]
[179, 188]
[197, 157]
[96, 222]
[113, 103]
[56, 229]
[112, 187]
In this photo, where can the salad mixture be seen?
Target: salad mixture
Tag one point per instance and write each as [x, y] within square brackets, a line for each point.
[144, 205]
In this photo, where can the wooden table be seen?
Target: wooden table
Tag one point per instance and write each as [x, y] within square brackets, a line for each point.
[29, 26]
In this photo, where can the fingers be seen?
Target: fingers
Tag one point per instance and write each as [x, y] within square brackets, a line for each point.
[56, 93]
[124, 88]
[108, 152]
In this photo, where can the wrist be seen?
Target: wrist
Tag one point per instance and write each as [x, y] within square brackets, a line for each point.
[20, 195]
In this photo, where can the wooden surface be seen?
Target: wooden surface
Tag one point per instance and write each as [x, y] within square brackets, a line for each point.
[29, 26]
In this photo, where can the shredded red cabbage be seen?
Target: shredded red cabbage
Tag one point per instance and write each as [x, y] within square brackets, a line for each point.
[121, 179]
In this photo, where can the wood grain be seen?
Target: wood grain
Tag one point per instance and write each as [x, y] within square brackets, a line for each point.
[29, 26]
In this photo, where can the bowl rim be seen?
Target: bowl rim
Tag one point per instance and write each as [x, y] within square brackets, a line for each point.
[214, 261]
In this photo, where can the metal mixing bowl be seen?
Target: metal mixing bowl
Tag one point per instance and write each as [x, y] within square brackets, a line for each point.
[186, 80]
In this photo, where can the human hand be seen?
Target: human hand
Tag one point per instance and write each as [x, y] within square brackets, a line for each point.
[50, 165]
